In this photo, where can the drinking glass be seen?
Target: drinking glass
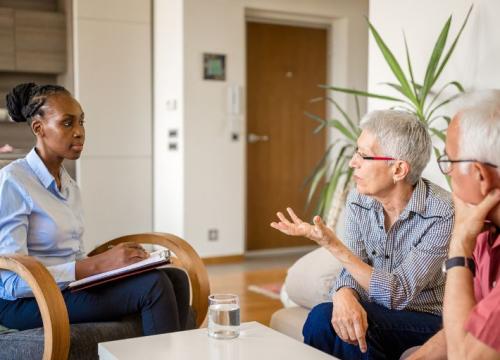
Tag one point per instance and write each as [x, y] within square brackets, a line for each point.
[223, 316]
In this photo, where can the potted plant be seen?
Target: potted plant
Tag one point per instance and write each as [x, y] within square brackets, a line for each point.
[332, 178]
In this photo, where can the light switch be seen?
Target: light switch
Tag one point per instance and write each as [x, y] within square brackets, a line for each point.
[171, 104]
[234, 100]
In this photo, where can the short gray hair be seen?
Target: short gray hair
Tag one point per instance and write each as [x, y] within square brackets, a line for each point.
[403, 136]
[479, 131]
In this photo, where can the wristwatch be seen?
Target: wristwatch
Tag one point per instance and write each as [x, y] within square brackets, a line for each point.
[459, 261]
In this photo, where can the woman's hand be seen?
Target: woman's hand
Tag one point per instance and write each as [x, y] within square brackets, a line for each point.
[123, 254]
[116, 257]
[349, 319]
[317, 232]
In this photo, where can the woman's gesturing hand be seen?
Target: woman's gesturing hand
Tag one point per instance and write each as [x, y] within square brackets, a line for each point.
[317, 232]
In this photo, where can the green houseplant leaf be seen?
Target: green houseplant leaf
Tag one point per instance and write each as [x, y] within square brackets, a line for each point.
[360, 93]
[430, 72]
[410, 71]
[393, 65]
[453, 45]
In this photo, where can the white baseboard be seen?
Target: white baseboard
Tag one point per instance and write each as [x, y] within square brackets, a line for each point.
[280, 251]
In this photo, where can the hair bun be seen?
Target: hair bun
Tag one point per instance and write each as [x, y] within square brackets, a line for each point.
[17, 100]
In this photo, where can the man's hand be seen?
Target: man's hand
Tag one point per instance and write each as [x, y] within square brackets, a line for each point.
[317, 232]
[469, 222]
[433, 349]
[116, 257]
[349, 319]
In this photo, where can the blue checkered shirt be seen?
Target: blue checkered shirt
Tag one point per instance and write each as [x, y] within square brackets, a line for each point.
[406, 259]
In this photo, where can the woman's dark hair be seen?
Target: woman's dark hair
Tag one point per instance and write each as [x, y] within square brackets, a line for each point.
[25, 100]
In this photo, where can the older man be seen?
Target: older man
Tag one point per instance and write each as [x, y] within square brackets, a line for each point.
[398, 226]
[472, 298]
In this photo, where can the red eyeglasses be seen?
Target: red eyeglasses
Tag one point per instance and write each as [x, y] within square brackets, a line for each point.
[364, 157]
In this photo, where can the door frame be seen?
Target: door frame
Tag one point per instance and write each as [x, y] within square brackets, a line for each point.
[337, 53]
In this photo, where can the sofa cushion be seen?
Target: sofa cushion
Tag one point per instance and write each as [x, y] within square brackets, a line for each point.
[310, 279]
[290, 321]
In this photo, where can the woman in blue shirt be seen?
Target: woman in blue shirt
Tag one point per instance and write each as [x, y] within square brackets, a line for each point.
[41, 216]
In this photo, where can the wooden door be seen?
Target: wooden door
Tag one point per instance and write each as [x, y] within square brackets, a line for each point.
[285, 65]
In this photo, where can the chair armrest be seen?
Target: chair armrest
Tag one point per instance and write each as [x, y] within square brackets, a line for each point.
[186, 257]
[50, 302]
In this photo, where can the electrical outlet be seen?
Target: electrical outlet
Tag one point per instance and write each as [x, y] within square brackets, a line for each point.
[213, 234]
[172, 133]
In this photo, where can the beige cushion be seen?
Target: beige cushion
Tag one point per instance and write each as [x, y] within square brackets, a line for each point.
[290, 321]
[310, 279]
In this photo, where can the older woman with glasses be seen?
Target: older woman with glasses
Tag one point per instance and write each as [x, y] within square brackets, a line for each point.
[389, 294]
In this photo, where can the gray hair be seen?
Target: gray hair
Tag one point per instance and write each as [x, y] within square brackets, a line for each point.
[479, 131]
[403, 136]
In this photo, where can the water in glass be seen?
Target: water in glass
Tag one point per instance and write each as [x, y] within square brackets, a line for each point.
[223, 316]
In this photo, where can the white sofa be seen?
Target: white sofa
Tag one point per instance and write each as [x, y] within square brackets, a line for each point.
[307, 284]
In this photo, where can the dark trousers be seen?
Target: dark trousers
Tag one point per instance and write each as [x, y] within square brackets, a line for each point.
[160, 297]
[389, 334]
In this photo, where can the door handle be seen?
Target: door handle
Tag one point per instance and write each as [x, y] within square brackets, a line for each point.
[254, 138]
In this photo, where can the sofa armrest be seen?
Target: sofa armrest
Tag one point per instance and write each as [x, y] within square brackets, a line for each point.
[50, 302]
[309, 280]
[184, 256]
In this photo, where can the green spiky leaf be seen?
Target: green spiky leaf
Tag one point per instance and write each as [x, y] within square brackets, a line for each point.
[454, 44]
[345, 131]
[361, 93]
[430, 72]
[439, 133]
[393, 64]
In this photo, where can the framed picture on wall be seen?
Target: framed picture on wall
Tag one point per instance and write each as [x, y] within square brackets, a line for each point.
[214, 67]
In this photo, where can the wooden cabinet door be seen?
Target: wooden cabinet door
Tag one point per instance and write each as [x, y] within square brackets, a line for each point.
[285, 65]
[7, 52]
[40, 39]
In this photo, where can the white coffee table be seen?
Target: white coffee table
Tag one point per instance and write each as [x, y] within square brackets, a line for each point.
[256, 342]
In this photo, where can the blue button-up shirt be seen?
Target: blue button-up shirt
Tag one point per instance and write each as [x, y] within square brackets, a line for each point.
[39, 220]
[406, 258]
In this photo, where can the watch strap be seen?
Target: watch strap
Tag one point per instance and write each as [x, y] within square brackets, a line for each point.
[460, 261]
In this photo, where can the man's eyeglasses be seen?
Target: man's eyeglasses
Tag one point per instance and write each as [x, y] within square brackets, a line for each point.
[364, 157]
[445, 164]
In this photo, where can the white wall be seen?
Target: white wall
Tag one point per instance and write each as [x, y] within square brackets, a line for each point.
[474, 62]
[112, 66]
[214, 172]
[202, 185]
[168, 171]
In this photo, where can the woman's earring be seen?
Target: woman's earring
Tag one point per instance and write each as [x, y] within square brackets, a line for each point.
[394, 180]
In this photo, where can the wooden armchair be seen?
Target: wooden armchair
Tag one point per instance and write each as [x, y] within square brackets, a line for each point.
[57, 332]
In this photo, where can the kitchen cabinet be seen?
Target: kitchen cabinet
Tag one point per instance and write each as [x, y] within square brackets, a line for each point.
[40, 40]
[32, 41]
[7, 48]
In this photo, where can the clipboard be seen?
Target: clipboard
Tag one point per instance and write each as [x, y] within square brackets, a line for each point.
[155, 260]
